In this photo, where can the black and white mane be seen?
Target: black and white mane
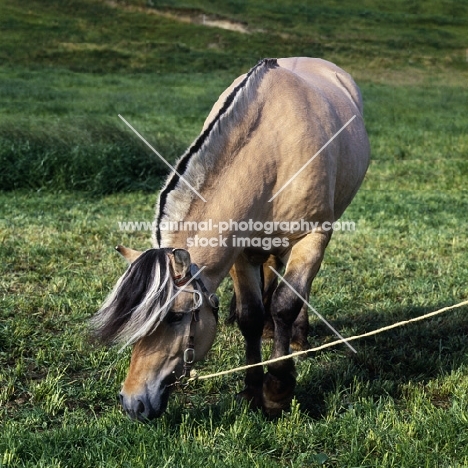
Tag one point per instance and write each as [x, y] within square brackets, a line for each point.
[142, 296]
[140, 300]
[175, 197]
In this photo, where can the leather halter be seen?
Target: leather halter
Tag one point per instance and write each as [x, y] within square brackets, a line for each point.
[189, 352]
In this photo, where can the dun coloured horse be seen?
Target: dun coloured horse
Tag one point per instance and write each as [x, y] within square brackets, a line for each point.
[280, 157]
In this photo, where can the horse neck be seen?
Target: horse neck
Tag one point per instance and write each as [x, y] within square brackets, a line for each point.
[220, 171]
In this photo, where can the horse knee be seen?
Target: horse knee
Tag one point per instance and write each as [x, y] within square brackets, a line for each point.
[286, 305]
[250, 319]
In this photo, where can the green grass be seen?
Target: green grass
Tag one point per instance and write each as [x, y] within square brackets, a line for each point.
[68, 68]
[401, 401]
[86, 35]
[60, 130]
[66, 135]
[71, 170]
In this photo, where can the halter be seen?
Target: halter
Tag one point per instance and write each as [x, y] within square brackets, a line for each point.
[200, 290]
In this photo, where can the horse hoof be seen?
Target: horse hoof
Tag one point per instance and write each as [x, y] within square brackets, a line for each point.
[252, 396]
[277, 394]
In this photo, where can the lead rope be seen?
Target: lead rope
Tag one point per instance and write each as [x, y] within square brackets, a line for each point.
[329, 345]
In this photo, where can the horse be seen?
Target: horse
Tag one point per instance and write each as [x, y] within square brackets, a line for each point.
[280, 156]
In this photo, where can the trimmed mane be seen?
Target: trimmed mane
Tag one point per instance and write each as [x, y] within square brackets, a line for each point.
[175, 197]
[139, 302]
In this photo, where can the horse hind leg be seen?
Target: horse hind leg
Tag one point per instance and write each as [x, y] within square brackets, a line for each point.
[232, 310]
[269, 283]
[303, 264]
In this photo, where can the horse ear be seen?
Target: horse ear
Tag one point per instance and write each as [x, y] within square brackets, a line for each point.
[180, 261]
[129, 254]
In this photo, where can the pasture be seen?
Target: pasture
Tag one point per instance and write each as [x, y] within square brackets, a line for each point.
[71, 171]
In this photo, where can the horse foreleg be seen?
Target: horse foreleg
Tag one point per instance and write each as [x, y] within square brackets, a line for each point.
[300, 329]
[302, 266]
[249, 313]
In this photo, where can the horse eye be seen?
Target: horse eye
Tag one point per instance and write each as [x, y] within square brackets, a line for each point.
[174, 317]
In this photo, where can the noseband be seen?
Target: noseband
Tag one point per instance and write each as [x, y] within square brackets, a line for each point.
[201, 291]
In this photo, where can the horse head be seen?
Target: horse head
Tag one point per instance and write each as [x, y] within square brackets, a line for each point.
[161, 307]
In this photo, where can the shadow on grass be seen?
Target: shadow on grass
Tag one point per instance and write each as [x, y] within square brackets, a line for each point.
[384, 363]
[335, 379]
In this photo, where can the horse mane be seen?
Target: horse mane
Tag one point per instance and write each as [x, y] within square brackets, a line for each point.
[199, 159]
[139, 302]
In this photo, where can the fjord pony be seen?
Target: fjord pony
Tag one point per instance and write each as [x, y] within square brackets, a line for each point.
[268, 154]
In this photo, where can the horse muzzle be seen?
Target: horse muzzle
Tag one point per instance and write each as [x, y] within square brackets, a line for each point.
[146, 406]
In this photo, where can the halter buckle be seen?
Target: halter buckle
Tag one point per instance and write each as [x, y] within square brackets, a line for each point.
[189, 359]
[189, 356]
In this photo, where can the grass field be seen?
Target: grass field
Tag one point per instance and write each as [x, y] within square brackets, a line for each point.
[71, 171]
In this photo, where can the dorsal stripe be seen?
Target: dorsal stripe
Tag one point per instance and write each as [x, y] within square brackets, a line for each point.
[196, 146]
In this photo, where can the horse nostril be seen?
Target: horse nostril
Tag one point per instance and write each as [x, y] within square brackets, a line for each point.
[140, 408]
[134, 407]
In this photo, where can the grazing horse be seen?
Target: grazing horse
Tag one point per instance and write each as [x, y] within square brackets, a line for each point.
[280, 157]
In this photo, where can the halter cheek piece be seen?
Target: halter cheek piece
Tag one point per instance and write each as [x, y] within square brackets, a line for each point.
[199, 292]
